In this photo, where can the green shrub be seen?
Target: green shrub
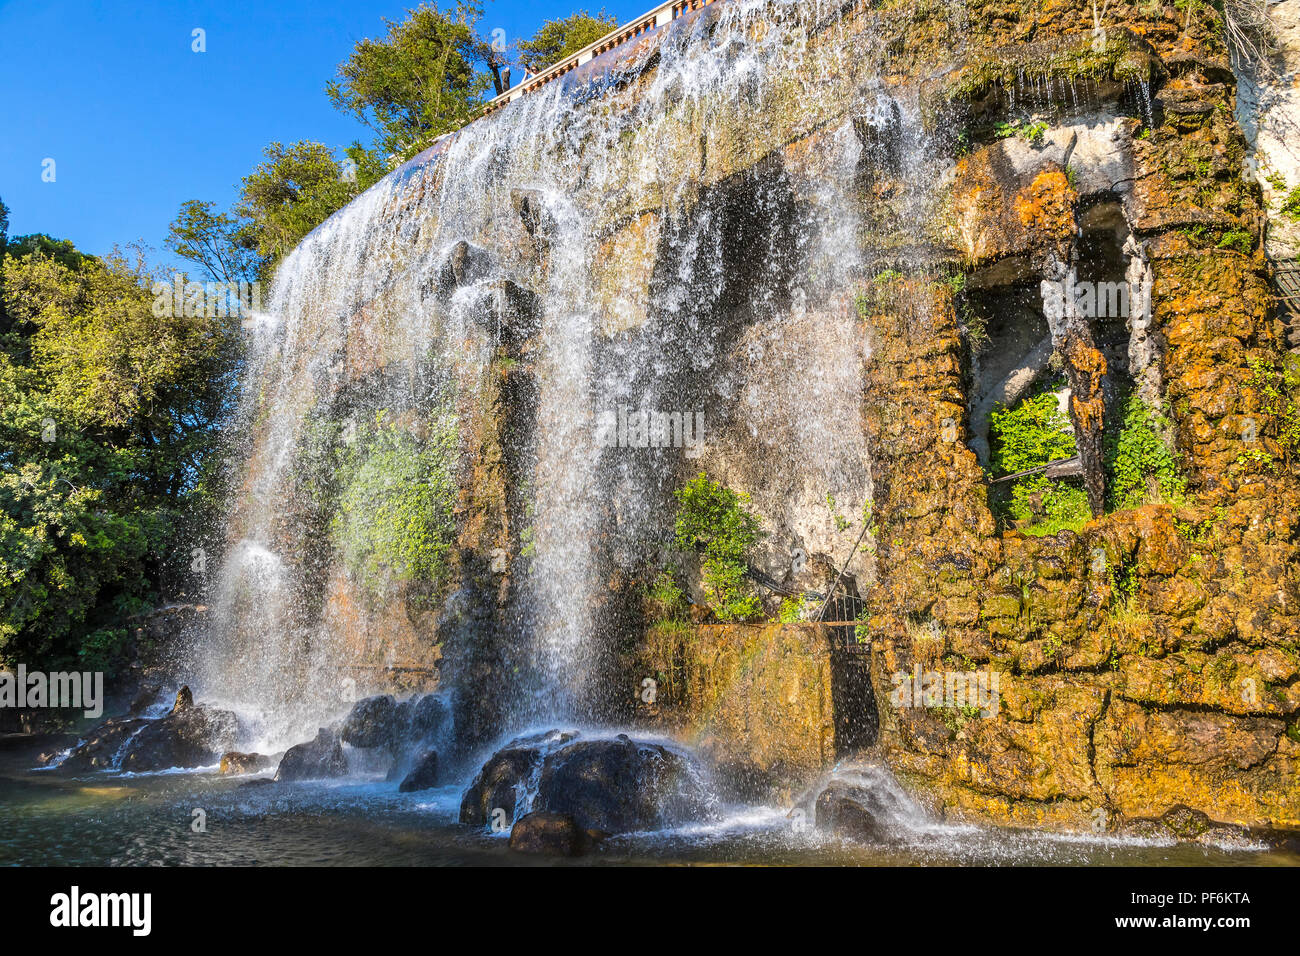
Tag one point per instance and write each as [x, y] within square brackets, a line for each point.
[1291, 205]
[792, 610]
[1139, 457]
[1237, 239]
[1278, 385]
[394, 522]
[713, 520]
[1034, 433]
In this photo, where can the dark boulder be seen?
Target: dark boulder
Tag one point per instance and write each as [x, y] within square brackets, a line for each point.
[464, 265]
[375, 722]
[551, 834]
[192, 736]
[423, 775]
[503, 781]
[314, 760]
[499, 785]
[430, 716]
[102, 745]
[611, 786]
[621, 785]
[867, 805]
[184, 699]
[145, 698]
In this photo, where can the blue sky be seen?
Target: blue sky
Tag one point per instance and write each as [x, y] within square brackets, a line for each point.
[137, 123]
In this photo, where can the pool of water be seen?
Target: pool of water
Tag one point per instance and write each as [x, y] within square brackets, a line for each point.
[114, 819]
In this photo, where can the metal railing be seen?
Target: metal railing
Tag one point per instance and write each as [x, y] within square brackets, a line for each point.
[1285, 275]
[660, 16]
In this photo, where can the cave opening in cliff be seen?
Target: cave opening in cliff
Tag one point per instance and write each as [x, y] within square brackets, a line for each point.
[1022, 424]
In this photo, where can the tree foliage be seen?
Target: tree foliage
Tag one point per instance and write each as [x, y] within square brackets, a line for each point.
[558, 39]
[217, 242]
[418, 82]
[108, 415]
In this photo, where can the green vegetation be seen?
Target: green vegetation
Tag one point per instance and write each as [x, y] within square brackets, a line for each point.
[419, 81]
[394, 523]
[1140, 464]
[669, 610]
[1033, 132]
[1278, 387]
[559, 39]
[108, 418]
[714, 521]
[1237, 239]
[296, 189]
[1291, 205]
[792, 609]
[1031, 434]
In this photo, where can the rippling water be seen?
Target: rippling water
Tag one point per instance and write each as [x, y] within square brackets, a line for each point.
[145, 820]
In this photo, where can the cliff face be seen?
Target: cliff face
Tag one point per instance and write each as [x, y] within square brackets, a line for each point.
[848, 236]
[1148, 660]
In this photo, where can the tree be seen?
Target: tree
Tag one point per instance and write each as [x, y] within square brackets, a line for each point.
[418, 82]
[4, 239]
[219, 243]
[109, 415]
[295, 190]
[558, 39]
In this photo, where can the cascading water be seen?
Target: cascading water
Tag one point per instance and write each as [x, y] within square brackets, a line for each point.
[357, 301]
[741, 224]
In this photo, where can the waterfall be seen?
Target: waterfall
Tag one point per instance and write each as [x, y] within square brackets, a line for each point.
[747, 324]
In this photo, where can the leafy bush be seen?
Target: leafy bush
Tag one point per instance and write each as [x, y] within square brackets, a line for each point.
[109, 417]
[394, 522]
[792, 610]
[1034, 433]
[1138, 458]
[1278, 386]
[714, 521]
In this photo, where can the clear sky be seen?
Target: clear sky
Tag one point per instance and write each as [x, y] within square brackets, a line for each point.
[136, 122]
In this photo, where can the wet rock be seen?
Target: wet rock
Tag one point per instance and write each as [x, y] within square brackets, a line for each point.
[531, 208]
[550, 834]
[317, 759]
[423, 775]
[513, 316]
[234, 762]
[193, 736]
[430, 716]
[144, 699]
[464, 265]
[100, 748]
[499, 785]
[621, 785]
[1186, 823]
[374, 722]
[184, 699]
[612, 786]
[858, 813]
